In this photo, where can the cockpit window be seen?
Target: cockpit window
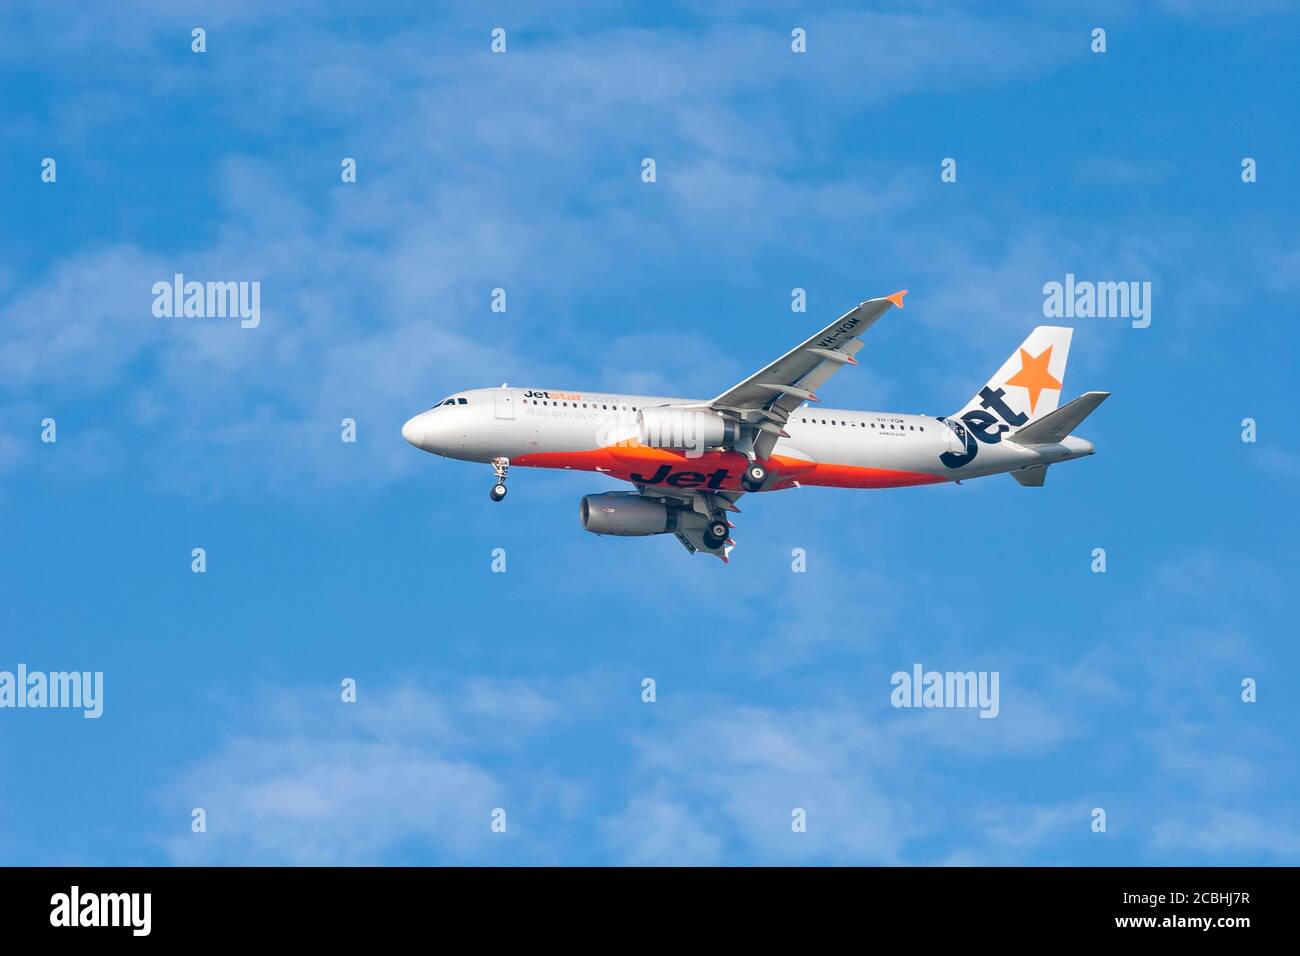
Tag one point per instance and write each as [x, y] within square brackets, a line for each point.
[451, 401]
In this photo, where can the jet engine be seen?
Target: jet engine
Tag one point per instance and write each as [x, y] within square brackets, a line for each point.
[667, 427]
[627, 513]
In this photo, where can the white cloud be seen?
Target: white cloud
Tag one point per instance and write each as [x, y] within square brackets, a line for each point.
[327, 802]
[655, 830]
[713, 778]
[1225, 834]
[741, 771]
[314, 781]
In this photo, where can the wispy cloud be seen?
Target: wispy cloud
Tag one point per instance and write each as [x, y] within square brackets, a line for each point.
[405, 769]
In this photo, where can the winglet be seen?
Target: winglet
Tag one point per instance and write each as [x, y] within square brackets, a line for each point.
[897, 298]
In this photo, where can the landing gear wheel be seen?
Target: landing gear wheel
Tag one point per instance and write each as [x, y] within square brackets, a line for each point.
[502, 467]
[715, 535]
[754, 476]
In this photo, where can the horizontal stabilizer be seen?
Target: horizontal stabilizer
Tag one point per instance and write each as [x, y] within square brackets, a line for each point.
[1032, 477]
[1055, 426]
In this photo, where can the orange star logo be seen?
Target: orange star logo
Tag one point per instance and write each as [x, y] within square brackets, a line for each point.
[1034, 376]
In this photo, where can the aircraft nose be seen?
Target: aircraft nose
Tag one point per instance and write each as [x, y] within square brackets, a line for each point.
[413, 431]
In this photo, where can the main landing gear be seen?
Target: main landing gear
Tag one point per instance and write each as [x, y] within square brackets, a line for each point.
[501, 466]
[715, 535]
[754, 477]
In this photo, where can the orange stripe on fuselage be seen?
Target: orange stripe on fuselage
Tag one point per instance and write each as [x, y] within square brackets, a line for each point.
[718, 470]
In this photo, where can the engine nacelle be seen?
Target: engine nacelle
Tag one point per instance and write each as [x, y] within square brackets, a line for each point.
[627, 513]
[666, 427]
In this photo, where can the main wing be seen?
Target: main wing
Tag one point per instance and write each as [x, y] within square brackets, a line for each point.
[764, 402]
[768, 397]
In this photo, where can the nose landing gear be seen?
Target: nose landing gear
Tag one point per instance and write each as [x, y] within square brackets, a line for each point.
[501, 466]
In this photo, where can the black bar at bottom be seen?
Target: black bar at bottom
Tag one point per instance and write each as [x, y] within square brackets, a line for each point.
[327, 904]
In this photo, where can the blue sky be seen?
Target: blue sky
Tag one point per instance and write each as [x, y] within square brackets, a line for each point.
[522, 690]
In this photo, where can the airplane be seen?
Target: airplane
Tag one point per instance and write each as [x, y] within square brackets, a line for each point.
[690, 460]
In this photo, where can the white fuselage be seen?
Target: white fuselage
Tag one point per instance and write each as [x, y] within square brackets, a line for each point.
[596, 431]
